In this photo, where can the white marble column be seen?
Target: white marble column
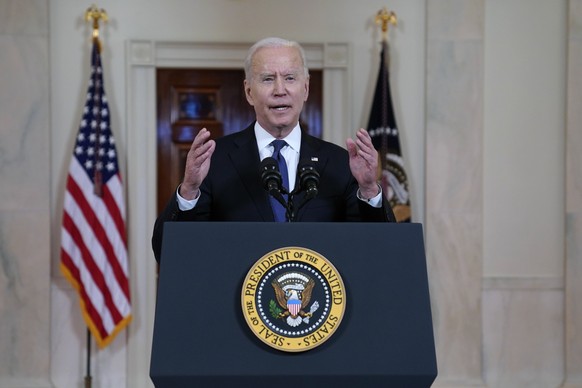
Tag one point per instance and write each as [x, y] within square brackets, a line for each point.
[573, 286]
[24, 194]
[454, 186]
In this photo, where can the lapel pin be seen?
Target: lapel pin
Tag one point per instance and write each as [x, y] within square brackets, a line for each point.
[314, 159]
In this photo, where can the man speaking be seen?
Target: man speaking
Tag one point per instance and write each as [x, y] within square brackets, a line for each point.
[272, 170]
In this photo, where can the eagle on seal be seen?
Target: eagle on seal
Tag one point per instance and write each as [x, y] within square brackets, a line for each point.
[293, 291]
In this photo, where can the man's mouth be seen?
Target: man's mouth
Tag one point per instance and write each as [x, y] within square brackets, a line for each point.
[280, 108]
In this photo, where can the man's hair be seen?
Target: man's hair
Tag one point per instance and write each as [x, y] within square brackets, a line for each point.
[272, 42]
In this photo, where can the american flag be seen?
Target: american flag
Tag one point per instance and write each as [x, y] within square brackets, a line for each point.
[93, 238]
[385, 137]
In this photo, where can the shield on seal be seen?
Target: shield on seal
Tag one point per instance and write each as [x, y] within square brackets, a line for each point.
[294, 306]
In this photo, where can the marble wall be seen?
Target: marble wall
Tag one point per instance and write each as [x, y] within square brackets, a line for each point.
[573, 268]
[498, 331]
[523, 332]
[454, 185]
[25, 234]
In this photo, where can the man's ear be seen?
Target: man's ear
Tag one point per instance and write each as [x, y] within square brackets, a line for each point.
[248, 95]
[306, 89]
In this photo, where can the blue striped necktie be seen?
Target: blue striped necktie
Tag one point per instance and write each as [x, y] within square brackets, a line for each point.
[278, 209]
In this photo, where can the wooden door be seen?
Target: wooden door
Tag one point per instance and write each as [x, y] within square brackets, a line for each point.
[191, 99]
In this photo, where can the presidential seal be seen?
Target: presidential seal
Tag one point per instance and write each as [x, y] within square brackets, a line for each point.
[293, 299]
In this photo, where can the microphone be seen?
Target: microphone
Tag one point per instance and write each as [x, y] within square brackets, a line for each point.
[272, 180]
[270, 175]
[308, 179]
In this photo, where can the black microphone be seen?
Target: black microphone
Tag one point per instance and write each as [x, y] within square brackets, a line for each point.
[308, 178]
[272, 180]
[270, 175]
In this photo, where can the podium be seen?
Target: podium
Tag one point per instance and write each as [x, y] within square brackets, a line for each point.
[201, 338]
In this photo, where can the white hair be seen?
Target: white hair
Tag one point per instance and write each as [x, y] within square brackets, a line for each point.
[272, 42]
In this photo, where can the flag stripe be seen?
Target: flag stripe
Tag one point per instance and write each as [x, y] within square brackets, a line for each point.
[101, 221]
[96, 265]
[112, 196]
[91, 275]
[86, 304]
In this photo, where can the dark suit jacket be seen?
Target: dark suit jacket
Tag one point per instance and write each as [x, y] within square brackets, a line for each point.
[233, 190]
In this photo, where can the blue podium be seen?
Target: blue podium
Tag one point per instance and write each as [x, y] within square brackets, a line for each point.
[201, 338]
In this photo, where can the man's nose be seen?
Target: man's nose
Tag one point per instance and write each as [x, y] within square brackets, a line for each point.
[279, 86]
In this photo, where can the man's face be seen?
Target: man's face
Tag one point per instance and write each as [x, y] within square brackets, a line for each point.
[277, 89]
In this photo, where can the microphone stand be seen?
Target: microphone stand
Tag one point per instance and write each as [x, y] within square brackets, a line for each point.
[278, 193]
[290, 207]
[290, 212]
[289, 204]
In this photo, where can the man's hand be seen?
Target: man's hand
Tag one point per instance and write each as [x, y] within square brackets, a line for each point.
[364, 163]
[197, 164]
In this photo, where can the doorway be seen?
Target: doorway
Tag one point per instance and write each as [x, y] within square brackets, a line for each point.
[191, 99]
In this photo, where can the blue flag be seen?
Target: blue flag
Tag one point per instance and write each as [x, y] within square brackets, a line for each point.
[384, 133]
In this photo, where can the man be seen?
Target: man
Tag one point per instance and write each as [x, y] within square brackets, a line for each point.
[222, 180]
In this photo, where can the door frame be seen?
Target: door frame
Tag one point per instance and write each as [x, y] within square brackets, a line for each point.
[142, 59]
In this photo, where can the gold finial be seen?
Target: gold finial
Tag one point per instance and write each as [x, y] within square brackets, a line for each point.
[95, 14]
[384, 17]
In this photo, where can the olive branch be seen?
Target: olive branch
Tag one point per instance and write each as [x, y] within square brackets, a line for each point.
[274, 309]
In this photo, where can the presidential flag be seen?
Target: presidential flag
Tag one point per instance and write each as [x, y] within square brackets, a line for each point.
[93, 236]
[384, 133]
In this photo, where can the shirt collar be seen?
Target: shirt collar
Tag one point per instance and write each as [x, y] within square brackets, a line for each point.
[264, 138]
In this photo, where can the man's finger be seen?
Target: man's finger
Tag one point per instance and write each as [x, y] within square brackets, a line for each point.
[200, 138]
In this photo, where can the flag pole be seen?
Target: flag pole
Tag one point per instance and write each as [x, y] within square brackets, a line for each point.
[94, 15]
[384, 18]
[88, 373]
[384, 131]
